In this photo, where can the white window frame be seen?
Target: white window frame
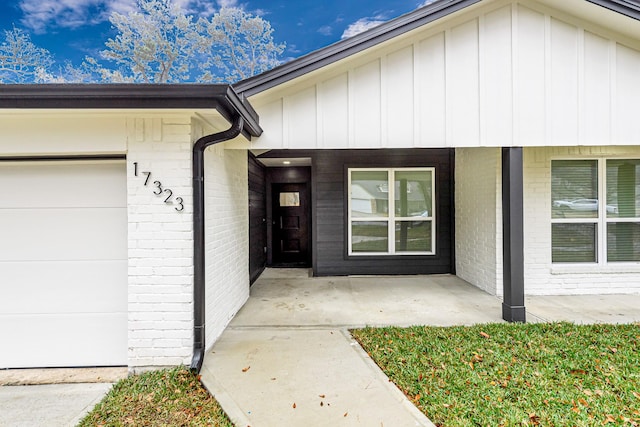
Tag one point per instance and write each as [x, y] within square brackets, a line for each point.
[391, 219]
[601, 221]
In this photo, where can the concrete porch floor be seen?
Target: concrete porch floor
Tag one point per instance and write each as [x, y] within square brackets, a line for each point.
[288, 358]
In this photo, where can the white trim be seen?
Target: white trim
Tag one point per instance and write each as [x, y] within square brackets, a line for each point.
[601, 221]
[391, 219]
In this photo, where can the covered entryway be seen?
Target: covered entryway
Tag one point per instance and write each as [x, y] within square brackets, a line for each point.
[63, 257]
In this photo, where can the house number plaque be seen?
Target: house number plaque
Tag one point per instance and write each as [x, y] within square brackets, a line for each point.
[159, 190]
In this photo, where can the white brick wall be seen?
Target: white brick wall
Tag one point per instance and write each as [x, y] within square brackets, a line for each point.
[541, 277]
[479, 218]
[226, 237]
[160, 242]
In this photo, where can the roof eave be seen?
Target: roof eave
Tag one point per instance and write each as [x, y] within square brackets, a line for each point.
[623, 7]
[220, 97]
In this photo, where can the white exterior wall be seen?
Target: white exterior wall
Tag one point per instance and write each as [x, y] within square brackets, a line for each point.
[541, 277]
[55, 133]
[226, 237]
[501, 73]
[479, 218]
[160, 242]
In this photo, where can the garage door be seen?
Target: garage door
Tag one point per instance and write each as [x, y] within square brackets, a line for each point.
[63, 263]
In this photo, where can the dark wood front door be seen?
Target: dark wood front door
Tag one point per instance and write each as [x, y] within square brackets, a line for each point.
[290, 225]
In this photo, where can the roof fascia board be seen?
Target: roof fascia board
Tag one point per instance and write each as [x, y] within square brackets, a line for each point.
[221, 97]
[623, 7]
[350, 46]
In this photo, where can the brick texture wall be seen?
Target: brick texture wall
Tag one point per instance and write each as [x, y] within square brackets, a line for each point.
[541, 277]
[160, 242]
[479, 218]
[226, 237]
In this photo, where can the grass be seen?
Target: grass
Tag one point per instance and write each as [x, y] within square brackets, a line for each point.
[557, 374]
[160, 398]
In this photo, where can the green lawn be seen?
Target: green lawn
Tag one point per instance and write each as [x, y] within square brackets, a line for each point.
[160, 398]
[513, 374]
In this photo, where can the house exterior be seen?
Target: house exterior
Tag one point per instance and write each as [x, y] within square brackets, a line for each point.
[496, 140]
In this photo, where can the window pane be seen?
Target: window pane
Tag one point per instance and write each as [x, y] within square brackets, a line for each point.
[413, 236]
[369, 236]
[369, 193]
[573, 243]
[291, 199]
[623, 184]
[623, 241]
[574, 188]
[413, 193]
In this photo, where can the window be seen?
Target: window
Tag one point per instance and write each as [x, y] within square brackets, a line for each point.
[583, 230]
[392, 211]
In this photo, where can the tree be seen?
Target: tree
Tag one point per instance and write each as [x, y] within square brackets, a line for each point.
[236, 45]
[154, 45]
[22, 61]
[157, 43]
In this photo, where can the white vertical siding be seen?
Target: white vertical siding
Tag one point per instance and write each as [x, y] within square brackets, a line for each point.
[366, 105]
[333, 103]
[627, 67]
[431, 91]
[506, 74]
[562, 89]
[530, 95]
[596, 117]
[399, 103]
[496, 88]
[463, 85]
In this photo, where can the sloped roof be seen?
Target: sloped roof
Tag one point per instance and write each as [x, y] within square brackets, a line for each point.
[380, 34]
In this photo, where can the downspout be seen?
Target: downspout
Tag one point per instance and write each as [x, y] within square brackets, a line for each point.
[198, 236]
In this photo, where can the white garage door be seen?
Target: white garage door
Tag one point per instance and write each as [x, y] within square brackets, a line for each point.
[63, 263]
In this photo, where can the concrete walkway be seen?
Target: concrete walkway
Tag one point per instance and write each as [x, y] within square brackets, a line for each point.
[61, 405]
[53, 397]
[287, 358]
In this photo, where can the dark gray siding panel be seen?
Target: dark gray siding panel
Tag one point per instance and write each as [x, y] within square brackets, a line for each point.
[257, 218]
[329, 175]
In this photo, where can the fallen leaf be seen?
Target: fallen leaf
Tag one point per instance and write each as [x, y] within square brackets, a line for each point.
[484, 334]
[246, 369]
[612, 349]
[636, 394]
[273, 379]
[345, 414]
[321, 403]
[609, 419]
[535, 420]
[294, 405]
[322, 396]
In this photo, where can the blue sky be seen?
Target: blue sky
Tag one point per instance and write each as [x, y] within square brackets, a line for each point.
[72, 29]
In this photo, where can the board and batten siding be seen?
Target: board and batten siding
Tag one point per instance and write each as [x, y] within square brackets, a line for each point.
[511, 73]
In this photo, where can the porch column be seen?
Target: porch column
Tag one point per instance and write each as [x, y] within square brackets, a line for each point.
[513, 309]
